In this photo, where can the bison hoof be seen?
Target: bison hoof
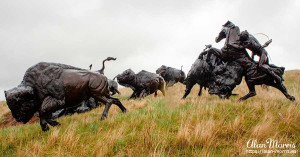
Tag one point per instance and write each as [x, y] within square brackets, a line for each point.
[52, 122]
[45, 128]
[124, 111]
[55, 124]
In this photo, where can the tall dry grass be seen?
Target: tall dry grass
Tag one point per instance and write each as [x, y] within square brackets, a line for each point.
[167, 126]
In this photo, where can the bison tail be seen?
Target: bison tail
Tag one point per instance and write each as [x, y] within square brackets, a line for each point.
[163, 86]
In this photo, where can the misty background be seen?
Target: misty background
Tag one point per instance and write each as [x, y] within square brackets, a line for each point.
[143, 35]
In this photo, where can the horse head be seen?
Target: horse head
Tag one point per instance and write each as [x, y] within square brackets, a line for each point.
[230, 32]
[222, 34]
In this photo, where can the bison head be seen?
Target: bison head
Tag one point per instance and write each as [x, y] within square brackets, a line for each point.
[225, 78]
[162, 69]
[126, 78]
[219, 89]
[22, 102]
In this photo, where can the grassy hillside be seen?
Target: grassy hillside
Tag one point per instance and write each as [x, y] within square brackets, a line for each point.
[166, 126]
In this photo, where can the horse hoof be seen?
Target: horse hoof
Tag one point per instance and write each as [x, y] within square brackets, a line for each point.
[292, 98]
[103, 118]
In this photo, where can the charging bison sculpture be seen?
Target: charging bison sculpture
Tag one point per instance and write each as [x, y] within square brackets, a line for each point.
[171, 75]
[48, 87]
[143, 83]
[90, 103]
[211, 72]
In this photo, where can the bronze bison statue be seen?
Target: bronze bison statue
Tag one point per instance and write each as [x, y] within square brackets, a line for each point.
[48, 87]
[171, 75]
[90, 103]
[211, 72]
[113, 87]
[143, 83]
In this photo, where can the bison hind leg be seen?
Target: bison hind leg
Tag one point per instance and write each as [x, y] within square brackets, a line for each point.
[119, 93]
[113, 92]
[143, 93]
[108, 101]
[117, 102]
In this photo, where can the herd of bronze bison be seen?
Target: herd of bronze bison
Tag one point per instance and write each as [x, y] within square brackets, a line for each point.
[52, 90]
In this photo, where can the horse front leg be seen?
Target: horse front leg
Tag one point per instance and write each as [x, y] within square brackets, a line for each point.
[188, 89]
[251, 93]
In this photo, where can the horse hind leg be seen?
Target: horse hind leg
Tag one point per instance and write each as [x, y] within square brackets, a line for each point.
[251, 93]
[282, 88]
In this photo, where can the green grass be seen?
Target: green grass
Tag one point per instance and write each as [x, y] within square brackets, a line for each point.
[166, 126]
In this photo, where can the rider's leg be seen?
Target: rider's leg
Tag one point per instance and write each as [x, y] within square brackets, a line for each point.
[263, 65]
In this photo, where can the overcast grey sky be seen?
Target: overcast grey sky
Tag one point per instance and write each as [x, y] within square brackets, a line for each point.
[142, 34]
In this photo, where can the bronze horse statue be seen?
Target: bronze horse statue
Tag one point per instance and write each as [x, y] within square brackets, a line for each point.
[253, 75]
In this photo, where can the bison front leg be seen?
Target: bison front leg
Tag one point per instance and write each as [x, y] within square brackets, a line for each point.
[200, 91]
[133, 95]
[43, 122]
[48, 106]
